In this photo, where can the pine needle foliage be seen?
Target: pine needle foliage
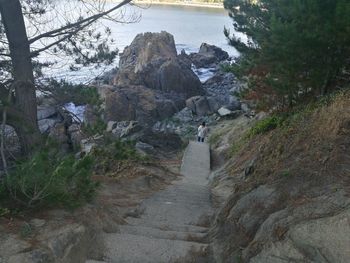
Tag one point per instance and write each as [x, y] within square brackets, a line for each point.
[296, 48]
[49, 179]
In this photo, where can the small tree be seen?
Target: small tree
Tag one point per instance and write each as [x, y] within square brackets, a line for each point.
[76, 37]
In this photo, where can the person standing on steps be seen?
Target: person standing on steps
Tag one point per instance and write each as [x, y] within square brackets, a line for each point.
[202, 132]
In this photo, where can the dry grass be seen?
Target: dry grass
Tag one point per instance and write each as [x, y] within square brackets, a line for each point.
[313, 144]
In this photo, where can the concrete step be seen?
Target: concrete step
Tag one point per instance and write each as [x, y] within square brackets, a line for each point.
[182, 200]
[126, 248]
[164, 226]
[162, 234]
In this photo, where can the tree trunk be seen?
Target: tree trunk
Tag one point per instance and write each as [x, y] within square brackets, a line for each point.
[22, 71]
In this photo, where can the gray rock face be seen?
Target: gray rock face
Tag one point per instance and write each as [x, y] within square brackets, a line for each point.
[320, 240]
[264, 225]
[208, 55]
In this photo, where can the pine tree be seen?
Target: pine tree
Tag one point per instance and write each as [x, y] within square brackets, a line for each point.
[299, 47]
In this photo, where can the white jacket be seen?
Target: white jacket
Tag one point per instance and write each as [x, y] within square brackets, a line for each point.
[202, 131]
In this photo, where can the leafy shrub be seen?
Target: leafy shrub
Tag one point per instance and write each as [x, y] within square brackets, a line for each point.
[265, 125]
[96, 128]
[125, 150]
[49, 178]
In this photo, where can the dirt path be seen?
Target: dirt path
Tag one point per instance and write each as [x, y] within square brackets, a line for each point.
[172, 224]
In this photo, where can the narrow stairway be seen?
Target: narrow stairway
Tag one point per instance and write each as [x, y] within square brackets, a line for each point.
[172, 225]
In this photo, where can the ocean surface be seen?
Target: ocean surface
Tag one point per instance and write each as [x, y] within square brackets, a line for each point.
[190, 26]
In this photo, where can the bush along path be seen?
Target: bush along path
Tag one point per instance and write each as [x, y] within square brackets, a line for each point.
[171, 225]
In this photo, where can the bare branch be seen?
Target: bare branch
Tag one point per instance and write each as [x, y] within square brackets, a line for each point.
[81, 24]
[38, 51]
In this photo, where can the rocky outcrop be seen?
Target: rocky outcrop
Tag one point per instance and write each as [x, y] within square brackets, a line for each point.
[152, 82]
[151, 60]
[208, 56]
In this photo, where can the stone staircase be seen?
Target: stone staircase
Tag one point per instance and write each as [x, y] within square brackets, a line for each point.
[172, 226]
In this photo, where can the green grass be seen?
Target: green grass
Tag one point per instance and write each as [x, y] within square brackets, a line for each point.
[266, 125]
[285, 173]
[215, 138]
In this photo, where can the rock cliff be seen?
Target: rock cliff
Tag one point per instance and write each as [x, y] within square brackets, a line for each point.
[284, 196]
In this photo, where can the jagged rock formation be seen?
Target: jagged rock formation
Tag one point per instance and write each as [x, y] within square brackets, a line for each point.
[208, 56]
[152, 82]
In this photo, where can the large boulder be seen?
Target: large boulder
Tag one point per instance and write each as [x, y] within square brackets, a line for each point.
[166, 142]
[233, 103]
[199, 105]
[138, 103]
[208, 55]
[151, 60]
[213, 50]
[175, 77]
[146, 48]
[46, 111]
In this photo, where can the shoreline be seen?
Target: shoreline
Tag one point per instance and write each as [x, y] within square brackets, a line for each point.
[191, 4]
